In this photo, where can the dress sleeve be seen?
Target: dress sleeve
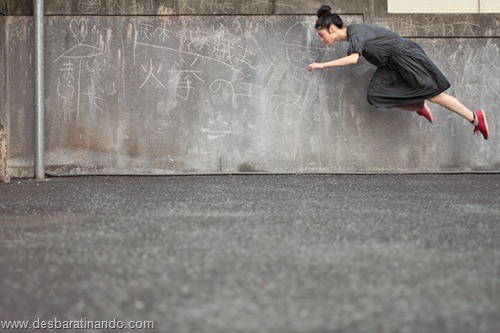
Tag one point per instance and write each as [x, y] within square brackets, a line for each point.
[356, 44]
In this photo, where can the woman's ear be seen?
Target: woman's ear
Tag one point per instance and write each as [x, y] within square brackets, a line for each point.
[332, 28]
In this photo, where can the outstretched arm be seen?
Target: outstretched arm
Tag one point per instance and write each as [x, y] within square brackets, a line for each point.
[351, 59]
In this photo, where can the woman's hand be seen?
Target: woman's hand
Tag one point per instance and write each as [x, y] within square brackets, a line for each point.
[314, 66]
[345, 61]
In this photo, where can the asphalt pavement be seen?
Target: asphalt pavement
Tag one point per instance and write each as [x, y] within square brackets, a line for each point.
[255, 253]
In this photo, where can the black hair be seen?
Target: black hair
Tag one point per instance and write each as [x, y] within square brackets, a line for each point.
[326, 18]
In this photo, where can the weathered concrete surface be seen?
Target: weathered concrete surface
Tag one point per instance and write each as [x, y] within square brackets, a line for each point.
[3, 87]
[16, 7]
[174, 94]
[374, 11]
[3, 155]
[436, 25]
[160, 7]
[256, 254]
[3, 107]
[18, 99]
[368, 8]
[410, 25]
[141, 7]
[213, 94]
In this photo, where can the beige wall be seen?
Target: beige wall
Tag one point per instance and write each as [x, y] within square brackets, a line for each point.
[444, 6]
[490, 6]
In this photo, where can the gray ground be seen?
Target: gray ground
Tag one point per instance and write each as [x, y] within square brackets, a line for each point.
[306, 253]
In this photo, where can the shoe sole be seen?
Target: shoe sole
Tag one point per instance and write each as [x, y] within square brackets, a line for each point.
[430, 115]
[431, 120]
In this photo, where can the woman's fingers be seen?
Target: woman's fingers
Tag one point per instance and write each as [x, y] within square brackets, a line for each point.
[314, 66]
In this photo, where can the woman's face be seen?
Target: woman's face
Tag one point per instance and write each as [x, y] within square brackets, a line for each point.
[328, 36]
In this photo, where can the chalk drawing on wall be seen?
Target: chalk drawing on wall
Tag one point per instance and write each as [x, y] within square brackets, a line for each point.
[152, 73]
[225, 91]
[184, 81]
[80, 50]
[89, 6]
[299, 53]
[429, 25]
[82, 69]
[238, 91]
[214, 92]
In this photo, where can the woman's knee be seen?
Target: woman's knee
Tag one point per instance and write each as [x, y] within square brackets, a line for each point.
[437, 98]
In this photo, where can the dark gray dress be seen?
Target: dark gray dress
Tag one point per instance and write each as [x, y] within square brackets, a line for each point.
[405, 74]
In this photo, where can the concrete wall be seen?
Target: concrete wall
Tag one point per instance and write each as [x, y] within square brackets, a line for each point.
[3, 108]
[142, 89]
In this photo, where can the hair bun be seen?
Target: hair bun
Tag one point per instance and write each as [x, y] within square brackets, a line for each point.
[324, 10]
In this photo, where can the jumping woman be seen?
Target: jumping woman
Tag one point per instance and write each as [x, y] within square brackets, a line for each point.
[405, 78]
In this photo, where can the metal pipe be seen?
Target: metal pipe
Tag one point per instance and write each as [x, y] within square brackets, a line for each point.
[38, 17]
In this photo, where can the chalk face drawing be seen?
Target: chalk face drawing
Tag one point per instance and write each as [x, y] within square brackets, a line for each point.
[89, 6]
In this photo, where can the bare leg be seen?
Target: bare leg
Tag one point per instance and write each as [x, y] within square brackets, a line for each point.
[452, 104]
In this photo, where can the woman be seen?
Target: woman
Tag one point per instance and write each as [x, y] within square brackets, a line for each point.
[405, 77]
